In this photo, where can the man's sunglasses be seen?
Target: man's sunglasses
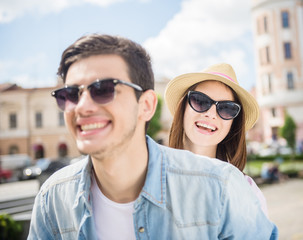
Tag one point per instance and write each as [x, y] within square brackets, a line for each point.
[101, 91]
[200, 102]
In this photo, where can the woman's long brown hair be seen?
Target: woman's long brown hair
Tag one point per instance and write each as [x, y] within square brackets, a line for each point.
[233, 147]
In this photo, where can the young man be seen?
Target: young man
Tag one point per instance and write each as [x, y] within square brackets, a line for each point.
[128, 186]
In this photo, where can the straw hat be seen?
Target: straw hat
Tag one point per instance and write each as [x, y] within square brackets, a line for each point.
[224, 73]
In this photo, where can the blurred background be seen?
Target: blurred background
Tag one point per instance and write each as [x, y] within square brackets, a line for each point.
[261, 39]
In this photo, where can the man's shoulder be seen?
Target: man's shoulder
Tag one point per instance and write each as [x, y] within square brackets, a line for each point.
[183, 161]
[188, 159]
[72, 172]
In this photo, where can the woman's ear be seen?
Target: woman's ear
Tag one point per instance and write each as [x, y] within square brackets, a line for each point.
[148, 104]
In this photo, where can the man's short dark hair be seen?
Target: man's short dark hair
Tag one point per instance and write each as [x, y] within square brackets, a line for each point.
[135, 56]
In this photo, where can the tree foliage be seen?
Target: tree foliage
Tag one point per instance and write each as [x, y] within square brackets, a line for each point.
[288, 131]
[155, 123]
[9, 228]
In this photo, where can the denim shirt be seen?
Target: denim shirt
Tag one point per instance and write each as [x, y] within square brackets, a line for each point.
[185, 196]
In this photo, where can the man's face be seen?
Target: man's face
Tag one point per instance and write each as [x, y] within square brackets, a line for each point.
[102, 129]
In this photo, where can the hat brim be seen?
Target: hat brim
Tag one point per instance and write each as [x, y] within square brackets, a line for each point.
[177, 87]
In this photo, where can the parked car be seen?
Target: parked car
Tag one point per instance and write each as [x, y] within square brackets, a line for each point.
[32, 172]
[5, 175]
[54, 166]
[15, 161]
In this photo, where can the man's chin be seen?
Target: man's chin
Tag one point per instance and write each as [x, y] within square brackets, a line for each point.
[86, 150]
[89, 150]
[83, 152]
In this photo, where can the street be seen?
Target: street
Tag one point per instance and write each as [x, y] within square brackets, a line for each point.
[285, 206]
[284, 201]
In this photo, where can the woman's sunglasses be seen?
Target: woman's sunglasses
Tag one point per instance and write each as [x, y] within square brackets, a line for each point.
[101, 91]
[200, 102]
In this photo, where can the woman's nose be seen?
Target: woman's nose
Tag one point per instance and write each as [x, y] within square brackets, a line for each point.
[212, 112]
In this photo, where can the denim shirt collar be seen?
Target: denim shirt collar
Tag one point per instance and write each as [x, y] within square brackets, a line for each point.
[83, 193]
[154, 188]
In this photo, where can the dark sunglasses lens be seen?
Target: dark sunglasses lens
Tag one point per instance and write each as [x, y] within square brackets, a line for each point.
[228, 110]
[65, 95]
[102, 92]
[199, 102]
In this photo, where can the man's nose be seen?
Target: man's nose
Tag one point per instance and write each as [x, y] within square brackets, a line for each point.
[86, 103]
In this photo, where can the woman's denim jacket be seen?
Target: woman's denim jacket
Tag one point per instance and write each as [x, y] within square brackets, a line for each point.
[185, 196]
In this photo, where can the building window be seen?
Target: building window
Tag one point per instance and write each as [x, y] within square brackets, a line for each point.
[285, 19]
[290, 80]
[275, 132]
[269, 84]
[287, 50]
[13, 149]
[62, 150]
[13, 121]
[265, 24]
[61, 119]
[273, 112]
[267, 54]
[38, 151]
[38, 118]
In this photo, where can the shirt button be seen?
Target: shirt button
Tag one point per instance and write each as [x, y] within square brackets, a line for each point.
[141, 229]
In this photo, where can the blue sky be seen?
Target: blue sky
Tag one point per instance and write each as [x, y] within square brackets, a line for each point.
[180, 35]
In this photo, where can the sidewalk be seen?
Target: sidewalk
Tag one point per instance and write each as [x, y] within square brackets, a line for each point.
[285, 207]
[15, 190]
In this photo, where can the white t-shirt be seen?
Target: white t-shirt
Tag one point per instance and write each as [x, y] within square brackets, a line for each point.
[112, 220]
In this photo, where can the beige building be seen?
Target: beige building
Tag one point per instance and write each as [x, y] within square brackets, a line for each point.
[278, 34]
[31, 123]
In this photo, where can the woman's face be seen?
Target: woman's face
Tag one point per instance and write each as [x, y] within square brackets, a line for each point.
[204, 131]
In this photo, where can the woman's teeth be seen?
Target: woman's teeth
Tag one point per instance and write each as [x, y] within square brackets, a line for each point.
[206, 126]
[92, 126]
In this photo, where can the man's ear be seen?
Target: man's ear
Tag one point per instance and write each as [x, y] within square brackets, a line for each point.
[148, 104]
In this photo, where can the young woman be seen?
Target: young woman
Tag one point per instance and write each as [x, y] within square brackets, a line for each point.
[212, 113]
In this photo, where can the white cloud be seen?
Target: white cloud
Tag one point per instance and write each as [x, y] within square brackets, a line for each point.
[11, 9]
[104, 3]
[202, 33]
[24, 74]
[28, 81]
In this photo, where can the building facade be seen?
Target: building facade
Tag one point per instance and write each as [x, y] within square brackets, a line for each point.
[278, 35]
[32, 124]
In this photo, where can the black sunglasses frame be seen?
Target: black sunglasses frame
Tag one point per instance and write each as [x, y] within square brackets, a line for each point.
[81, 88]
[217, 103]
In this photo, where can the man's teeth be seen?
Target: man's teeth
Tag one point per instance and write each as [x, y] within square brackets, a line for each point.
[92, 126]
[206, 126]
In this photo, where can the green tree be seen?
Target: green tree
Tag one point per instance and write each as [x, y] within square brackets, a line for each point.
[9, 228]
[155, 124]
[288, 131]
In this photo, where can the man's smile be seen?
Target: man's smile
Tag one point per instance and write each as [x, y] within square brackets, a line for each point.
[92, 126]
